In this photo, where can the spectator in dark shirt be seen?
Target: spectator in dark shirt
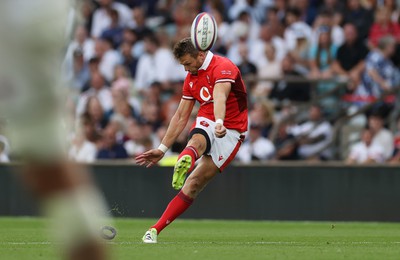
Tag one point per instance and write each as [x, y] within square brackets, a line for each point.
[350, 57]
[295, 91]
[308, 10]
[140, 18]
[246, 67]
[332, 5]
[359, 16]
[285, 144]
[110, 149]
[115, 31]
[128, 60]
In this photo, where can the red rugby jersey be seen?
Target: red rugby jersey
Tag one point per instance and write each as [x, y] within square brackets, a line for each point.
[200, 87]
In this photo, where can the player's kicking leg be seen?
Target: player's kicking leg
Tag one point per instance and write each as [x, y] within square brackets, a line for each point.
[195, 183]
[196, 147]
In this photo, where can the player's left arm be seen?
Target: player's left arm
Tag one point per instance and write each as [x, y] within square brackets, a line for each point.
[220, 95]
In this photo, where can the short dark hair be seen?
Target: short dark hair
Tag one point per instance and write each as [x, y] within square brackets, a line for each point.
[183, 47]
[376, 114]
[152, 38]
[294, 11]
[114, 13]
[325, 12]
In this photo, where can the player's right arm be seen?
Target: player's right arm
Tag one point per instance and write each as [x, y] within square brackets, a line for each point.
[175, 128]
[178, 122]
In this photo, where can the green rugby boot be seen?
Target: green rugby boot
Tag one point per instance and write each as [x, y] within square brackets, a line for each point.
[181, 170]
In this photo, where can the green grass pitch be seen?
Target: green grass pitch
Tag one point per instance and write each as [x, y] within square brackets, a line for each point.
[24, 238]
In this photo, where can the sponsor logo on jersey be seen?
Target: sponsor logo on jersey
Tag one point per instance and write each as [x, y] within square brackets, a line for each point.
[226, 72]
[205, 94]
[204, 123]
[220, 158]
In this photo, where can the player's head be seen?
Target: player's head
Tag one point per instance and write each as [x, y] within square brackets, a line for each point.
[188, 55]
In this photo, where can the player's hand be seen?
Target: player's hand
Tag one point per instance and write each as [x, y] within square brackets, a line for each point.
[220, 131]
[149, 158]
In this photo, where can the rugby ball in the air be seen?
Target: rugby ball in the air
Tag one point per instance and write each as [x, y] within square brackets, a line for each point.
[203, 32]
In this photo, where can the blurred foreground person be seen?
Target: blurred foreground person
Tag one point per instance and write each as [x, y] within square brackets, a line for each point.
[30, 89]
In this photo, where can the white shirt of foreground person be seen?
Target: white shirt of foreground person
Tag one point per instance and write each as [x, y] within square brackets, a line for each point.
[360, 153]
[262, 148]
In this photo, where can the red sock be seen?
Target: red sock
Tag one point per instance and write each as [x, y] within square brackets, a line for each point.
[175, 208]
[192, 152]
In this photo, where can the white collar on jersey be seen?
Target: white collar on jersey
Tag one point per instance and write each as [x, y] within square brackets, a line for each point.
[207, 60]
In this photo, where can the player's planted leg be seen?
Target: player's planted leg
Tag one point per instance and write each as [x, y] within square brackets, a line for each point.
[150, 237]
[195, 183]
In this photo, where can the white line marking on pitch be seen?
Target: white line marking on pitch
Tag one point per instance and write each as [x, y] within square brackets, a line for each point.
[263, 243]
[222, 243]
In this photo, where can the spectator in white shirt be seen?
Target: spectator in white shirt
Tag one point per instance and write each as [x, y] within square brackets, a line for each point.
[102, 20]
[254, 27]
[365, 152]
[240, 36]
[156, 65]
[77, 74]
[381, 136]
[294, 25]
[223, 27]
[98, 89]
[82, 150]
[109, 57]
[257, 50]
[325, 18]
[314, 136]
[134, 132]
[83, 42]
[256, 9]
[257, 147]
[272, 70]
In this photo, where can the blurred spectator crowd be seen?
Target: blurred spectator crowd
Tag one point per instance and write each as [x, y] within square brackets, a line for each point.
[307, 65]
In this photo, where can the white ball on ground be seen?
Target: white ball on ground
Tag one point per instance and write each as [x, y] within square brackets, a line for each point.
[108, 232]
[204, 31]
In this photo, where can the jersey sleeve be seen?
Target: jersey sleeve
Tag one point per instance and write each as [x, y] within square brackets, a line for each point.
[225, 72]
[186, 92]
